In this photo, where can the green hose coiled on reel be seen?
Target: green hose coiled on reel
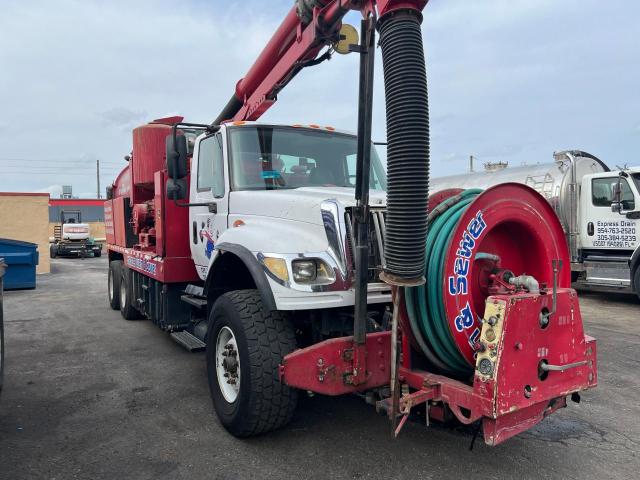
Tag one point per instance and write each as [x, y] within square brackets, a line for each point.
[425, 305]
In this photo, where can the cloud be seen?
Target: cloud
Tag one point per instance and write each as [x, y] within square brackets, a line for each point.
[122, 117]
[514, 79]
[55, 191]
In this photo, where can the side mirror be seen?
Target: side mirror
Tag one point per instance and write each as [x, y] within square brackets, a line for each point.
[617, 191]
[176, 156]
[176, 189]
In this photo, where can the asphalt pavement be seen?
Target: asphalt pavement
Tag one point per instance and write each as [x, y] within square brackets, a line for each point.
[89, 395]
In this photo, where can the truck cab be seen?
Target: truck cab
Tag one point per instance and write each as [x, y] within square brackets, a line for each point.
[609, 213]
[278, 198]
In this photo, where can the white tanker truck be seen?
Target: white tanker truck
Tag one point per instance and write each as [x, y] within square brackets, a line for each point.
[599, 210]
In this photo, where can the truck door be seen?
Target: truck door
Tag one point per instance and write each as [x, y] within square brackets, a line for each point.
[602, 228]
[208, 185]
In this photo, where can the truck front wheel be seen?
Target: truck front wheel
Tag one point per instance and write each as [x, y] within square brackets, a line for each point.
[636, 281]
[53, 251]
[245, 347]
[113, 283]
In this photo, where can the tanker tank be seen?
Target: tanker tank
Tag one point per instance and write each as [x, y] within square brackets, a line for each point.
[556, 181]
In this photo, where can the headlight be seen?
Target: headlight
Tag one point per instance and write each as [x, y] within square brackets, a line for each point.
[312, 271]
[304, 270]
[278, 267]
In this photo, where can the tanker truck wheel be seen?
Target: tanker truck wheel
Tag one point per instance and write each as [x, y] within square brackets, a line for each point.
[127, 310]
[245, 347]
[113, 283]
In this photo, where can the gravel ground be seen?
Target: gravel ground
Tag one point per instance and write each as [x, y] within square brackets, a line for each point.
[89, 395]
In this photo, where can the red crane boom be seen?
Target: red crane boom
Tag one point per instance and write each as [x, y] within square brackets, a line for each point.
[310, 26]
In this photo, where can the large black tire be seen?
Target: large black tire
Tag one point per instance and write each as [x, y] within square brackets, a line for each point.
[113, 283]
[263, 338]
[53, 250]
[97, 253]
[127, 308]
[636, 281]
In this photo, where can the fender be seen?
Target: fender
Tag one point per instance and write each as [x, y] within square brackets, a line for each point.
[634, 264]
[254, 267]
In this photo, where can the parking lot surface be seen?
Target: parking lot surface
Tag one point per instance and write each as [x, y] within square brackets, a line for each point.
[90, 395]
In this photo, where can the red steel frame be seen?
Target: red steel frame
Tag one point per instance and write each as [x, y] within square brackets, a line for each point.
[514, 400]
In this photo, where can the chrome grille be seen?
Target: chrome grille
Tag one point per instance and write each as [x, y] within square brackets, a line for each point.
[377, 226]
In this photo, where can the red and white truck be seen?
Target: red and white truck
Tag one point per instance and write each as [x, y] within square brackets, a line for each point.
[289, 255]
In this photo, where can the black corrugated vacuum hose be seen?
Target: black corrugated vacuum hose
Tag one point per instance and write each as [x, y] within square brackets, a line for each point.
[405, 83]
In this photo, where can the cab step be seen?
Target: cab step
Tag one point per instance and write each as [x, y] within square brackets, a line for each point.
[188, 341]
[195, 301]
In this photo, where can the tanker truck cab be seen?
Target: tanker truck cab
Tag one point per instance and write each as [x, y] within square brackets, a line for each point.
[610, 227]
[270, 210]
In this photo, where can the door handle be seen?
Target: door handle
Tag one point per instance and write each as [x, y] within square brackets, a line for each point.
[590, 229]
[195, 232]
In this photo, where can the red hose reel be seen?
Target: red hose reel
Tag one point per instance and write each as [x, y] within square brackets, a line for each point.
[515, 224]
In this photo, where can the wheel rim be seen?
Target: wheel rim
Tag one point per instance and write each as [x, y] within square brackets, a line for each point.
[228, 364]
[111, 296]
[123, 294]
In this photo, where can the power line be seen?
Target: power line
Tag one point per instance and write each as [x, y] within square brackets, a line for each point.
[49, 159]
[91, 165]
[65, 163]
[57, 174]
[54, 160]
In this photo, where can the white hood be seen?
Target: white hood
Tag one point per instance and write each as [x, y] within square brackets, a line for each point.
[299, 204]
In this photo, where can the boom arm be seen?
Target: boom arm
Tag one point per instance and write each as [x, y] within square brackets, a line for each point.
[309, 26]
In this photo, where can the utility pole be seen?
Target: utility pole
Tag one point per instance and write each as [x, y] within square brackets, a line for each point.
[98, 177]
[470, 163]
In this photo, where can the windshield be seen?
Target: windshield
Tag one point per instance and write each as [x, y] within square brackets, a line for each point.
[636, 180]
[274, 158]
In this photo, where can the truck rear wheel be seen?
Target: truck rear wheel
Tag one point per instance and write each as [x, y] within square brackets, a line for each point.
[245, 347]
[53, 251]
[127, 309]
[113, 283]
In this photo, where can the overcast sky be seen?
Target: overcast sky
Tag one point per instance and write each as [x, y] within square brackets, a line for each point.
[510, 80]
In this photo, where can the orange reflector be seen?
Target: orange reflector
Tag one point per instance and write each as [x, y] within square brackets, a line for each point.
[239, 123]
[238, 223]
[331, 129]
[296, 126]
[314, 126]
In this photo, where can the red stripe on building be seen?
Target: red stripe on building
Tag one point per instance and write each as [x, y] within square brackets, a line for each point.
[23, 194]
[76, 202]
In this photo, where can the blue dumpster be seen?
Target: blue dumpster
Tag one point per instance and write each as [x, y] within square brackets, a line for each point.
[21, 259]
